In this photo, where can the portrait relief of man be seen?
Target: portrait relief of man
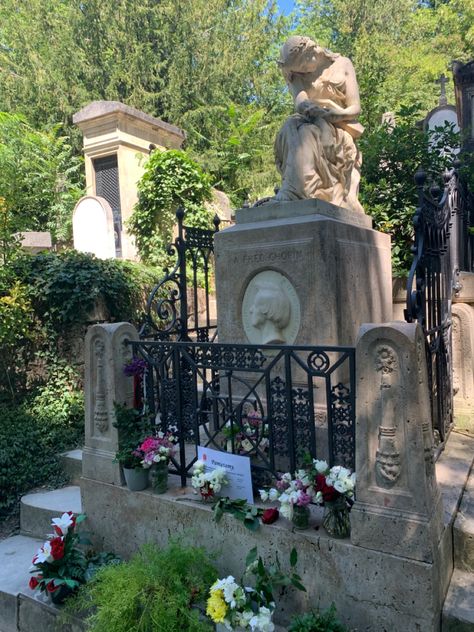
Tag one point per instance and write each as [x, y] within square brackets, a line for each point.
[270, 309]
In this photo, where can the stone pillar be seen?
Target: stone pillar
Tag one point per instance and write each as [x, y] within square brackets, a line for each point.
[106, 353]
[398, 507]
[463, 364]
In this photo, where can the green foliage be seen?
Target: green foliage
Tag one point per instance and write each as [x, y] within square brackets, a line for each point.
[157, 589]
[240, 509]
[132, 428]
[40, 179]
[235, 144]
[64, 287]
[32, 433]
[171, 179]
[392, 155]
[269, 577]
[317, 622]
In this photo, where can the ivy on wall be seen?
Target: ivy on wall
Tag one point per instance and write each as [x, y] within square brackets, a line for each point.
[171, 179]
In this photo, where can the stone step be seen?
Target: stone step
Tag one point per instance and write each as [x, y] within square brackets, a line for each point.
[21, 609]
[37, 509]
[458, 609]
[72, 465]
[463, 532]
[16, 553]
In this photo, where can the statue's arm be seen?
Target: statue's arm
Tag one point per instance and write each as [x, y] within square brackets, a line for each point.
[352, 107]
[303, 104]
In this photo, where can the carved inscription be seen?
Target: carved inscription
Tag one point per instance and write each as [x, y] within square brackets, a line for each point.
[284, 256]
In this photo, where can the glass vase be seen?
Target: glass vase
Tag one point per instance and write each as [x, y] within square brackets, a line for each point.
[160, 477]
[336, 519]
[300, 518]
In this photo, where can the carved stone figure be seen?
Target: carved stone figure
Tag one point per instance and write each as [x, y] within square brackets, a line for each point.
[270, 309]
[387, 460]
[315, 150]
[270, 313]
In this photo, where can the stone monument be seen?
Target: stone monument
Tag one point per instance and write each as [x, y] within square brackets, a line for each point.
[305, 267]
[117, 141]
[93, 227]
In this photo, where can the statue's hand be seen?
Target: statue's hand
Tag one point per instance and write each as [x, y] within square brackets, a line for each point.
[313, 111]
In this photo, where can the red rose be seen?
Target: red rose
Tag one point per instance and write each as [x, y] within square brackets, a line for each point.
[329, 493]
[57, 548]
[270, 516]
[51, 587]
[33, 583]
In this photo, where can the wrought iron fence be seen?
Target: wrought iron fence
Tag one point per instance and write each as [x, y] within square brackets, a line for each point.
[275, 404]
[179, 305]
[432, 281]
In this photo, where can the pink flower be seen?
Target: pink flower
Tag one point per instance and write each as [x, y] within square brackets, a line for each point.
[303, 499]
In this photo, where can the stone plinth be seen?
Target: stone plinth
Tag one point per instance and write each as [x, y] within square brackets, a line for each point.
[373, 591]
[398, 505]
[303, 272]
[106, 353]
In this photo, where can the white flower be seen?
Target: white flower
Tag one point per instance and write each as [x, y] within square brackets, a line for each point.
[339, 486]
[262, 622]
[243, 618]
[318, 499]
[63, 523]
[273, 494]
[286, 510]
[44, 553]
[321, 466]
[264, 495]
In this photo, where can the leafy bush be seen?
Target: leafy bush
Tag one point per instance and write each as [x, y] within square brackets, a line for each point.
[40, 178]
[317, 622]
[391, 157]
[64, 287]
[32, 434]
[171, 179]
[156, 590]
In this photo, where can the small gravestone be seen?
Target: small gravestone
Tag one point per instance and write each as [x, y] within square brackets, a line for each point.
[442, 114]
[93, 227]
[35, 241]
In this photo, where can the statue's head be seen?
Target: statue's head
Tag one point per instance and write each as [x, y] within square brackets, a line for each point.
[302, 54]
[271, 305]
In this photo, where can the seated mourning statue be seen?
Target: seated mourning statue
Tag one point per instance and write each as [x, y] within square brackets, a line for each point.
[315, 150]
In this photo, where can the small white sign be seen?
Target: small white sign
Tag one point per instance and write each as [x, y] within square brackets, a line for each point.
[237, 469]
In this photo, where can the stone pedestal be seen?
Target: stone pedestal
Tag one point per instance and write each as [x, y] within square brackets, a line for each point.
[106, 353]
[305, 273]
[398, 504]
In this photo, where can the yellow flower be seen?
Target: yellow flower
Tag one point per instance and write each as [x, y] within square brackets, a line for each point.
[216, 606]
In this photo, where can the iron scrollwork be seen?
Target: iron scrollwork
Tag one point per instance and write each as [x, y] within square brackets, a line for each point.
[168, 313]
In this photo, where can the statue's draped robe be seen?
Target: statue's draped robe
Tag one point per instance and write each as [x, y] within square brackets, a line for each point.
[311, 168]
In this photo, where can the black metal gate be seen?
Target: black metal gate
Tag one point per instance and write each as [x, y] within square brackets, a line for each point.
[178, 307]
[441, 248]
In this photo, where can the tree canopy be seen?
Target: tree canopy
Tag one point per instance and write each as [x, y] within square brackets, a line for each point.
[209, 66]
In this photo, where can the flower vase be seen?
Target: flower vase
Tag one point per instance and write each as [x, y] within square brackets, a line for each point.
[300, 518]
[160, 477]
[60, 595]
[136, 478]
[336, 519]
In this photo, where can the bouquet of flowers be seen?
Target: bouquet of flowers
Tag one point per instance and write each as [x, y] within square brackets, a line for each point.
[208, 484]
[294, 496]
[158, 449]
[335, 488]
[251, 436]
[234, 605]
[59, 566]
